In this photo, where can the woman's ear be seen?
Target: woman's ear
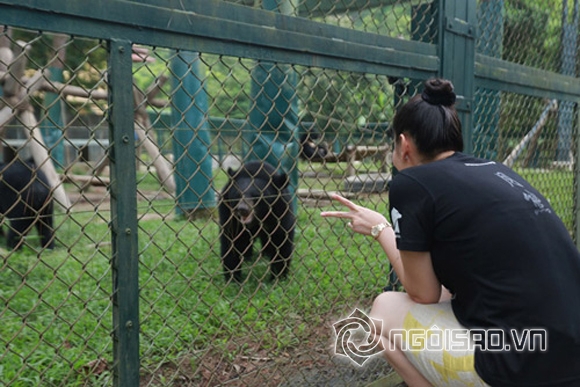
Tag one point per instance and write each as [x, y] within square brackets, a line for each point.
[404, 146]
[408, 151]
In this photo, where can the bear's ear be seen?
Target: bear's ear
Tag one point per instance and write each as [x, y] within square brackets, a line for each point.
[280, 180]
[231, 172]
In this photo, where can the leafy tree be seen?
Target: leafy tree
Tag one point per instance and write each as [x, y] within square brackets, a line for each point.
[532, 33]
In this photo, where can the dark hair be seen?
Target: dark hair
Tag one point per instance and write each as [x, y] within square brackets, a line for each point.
[431, 120]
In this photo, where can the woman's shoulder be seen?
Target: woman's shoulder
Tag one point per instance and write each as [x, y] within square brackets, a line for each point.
[448, 172]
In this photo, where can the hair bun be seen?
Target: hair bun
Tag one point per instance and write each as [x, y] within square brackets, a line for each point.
[438, 92]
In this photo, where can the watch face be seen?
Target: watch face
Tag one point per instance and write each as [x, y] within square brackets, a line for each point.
[376, 230]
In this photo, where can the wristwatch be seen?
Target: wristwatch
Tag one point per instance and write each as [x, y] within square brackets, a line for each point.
[376, 230]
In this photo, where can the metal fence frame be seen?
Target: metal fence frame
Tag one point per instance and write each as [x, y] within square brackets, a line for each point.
[218, 27]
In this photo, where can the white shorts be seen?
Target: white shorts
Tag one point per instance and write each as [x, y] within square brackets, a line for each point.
[439, 347]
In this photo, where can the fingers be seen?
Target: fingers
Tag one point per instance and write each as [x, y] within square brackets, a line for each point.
[336, 214]
[350, 205]
[340, 214]
[360, 219]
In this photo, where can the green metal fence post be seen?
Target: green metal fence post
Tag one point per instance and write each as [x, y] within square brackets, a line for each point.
[458, 27]
[487, 101]
[123, 189]
[191, 139]
[569, 57]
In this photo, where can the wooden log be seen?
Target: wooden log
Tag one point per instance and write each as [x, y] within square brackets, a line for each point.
[6, 37]
[20, 101]
[142, 126]
[42, 158]
[59, 47]
[6, 115]
[75, 91]
[6, 57]
[152, 92]
[12, 83]
[511, 159]
[87, 180]
[162, 167]
[352, 153]
[32, 84]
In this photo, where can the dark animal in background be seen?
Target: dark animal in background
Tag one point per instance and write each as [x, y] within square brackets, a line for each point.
[313, 149]
[25, 200]
[256, 204]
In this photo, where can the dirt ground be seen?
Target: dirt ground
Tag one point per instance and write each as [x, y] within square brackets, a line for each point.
[312, 364]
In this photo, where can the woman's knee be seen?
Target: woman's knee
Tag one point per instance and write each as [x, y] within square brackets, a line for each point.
[391, 308]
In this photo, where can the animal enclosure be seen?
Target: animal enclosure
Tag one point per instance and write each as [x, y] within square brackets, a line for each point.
[135, 110]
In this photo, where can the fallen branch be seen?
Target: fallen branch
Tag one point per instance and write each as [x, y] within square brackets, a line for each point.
[552, 105]
[70, 90]
[86, 180]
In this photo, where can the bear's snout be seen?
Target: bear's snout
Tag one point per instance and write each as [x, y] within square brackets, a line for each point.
[243, 212]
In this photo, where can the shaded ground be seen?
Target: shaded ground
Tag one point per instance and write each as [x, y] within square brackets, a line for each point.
[311, 364]
[341, 374]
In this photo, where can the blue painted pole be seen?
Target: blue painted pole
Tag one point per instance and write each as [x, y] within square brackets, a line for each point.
[191, 139]
[52, 125]
[273, 134]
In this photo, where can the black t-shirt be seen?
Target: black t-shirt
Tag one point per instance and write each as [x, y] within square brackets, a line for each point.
[506, 257]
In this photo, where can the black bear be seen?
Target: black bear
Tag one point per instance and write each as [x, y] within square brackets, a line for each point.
[256, 203]
[312, 148]
[25, 200]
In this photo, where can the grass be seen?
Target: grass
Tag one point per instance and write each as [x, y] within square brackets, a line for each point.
[201, 312]
[57, 315]
[56, 307]
[558, 188]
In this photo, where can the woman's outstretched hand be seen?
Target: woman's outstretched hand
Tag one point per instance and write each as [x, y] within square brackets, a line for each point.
[360, 219]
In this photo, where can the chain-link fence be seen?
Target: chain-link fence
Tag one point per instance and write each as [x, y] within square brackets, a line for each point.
[122, 124]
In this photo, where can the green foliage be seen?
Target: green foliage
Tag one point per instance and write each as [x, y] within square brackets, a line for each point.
[80, 54]
[532, 33]
[557, 186]
[228, 83]
[338, 102]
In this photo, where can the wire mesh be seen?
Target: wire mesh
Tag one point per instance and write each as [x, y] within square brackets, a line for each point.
[195, 120]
